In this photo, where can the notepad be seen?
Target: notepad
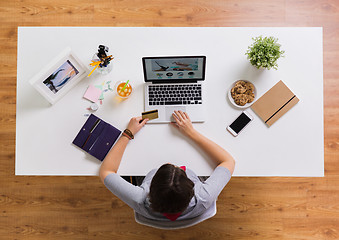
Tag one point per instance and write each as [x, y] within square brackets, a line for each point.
[275, 103]
[96, 137]
[92, 93]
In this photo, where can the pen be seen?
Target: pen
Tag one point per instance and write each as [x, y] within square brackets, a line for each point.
[94, 63]
[97, 65]
[93, 144]
[91, 131]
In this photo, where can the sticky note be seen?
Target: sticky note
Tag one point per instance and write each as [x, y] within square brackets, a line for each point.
[102, 92]
[92, 93]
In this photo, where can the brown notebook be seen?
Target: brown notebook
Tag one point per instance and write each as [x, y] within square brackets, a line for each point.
[275, 103]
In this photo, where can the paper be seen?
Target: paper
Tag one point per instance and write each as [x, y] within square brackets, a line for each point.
[101, 97]
[92, 93]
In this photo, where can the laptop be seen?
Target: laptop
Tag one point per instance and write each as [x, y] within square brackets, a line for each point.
[174, 83]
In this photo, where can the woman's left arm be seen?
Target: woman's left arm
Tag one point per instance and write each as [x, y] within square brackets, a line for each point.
[112, 161]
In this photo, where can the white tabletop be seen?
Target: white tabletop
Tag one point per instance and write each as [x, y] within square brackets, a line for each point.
[293, 146]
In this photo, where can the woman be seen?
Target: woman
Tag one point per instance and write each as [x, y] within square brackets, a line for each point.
[169, 193]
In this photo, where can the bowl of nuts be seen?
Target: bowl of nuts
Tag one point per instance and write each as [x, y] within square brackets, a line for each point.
[242, 93]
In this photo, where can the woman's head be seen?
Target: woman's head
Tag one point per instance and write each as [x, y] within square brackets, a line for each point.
[171, 190]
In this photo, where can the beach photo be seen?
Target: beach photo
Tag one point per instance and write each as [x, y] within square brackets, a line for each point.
[61, 76]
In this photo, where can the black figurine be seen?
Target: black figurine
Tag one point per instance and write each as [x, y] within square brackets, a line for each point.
[102, 51]
[105, 60]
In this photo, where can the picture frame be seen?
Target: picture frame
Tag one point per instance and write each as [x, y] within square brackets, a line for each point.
[59, 76]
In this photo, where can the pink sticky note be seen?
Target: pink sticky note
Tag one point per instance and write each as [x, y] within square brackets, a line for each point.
[92, 93]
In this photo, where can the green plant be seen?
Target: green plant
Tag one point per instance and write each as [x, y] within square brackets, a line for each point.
[264, 52]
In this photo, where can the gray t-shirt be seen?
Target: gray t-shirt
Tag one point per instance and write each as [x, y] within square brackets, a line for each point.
[205, 193]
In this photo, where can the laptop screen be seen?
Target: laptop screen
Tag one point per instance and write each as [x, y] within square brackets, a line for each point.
[174, 69]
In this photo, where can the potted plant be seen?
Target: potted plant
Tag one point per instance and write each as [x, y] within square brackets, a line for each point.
[264, 52]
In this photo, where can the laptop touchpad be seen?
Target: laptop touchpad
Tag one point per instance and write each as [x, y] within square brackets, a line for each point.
[170, 110]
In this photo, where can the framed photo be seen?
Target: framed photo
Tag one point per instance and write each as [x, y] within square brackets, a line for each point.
[59, 76]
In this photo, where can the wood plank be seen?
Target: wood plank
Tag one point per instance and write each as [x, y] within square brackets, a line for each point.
[249, 208]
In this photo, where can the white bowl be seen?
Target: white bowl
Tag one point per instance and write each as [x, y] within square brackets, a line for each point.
[232, 100]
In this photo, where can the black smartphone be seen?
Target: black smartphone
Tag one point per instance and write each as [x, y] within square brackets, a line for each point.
[240, 123]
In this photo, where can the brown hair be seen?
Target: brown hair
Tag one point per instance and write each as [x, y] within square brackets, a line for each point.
[171, 190]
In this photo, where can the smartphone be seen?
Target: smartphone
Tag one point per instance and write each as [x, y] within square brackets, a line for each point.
[240, 123]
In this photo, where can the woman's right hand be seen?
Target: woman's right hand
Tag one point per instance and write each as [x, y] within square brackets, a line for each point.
[136, 123]
[183, 123]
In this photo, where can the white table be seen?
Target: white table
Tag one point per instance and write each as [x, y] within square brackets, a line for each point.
[293, 146]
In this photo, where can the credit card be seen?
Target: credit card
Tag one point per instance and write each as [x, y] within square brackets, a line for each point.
[150, 114]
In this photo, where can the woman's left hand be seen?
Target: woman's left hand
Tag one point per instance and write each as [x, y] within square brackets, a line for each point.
[136, 123]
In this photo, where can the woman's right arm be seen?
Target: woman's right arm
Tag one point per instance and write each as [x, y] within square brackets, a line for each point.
[219, 155]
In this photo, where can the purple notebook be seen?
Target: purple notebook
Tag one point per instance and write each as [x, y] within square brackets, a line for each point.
[96, 137]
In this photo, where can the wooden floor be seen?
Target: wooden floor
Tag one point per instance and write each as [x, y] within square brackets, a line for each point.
[249, 208]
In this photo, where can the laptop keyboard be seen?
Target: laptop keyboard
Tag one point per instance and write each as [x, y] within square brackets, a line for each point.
[173, 94]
